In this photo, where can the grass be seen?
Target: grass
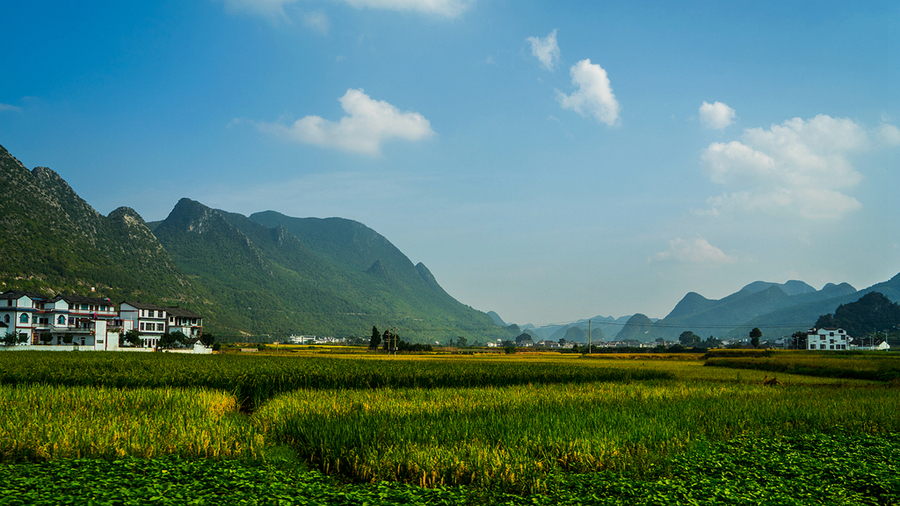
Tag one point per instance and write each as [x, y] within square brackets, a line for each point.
[450, 429]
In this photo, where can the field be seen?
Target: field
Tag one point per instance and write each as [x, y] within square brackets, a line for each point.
[313, 428]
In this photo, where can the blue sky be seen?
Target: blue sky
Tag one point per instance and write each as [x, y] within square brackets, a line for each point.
[547, 160]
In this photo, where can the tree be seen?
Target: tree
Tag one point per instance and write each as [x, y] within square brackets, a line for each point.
[207, 339]
[799, 340]
[711, 342]
[524, 339]
[689, 339]
[166, 341]
[755, 334]
[376, 338]
[132, 337]
[10, 338]
[461, 341]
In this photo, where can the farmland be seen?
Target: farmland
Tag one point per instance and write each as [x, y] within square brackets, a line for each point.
[440, 429]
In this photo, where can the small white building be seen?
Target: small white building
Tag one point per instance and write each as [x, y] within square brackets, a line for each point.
[827, 339]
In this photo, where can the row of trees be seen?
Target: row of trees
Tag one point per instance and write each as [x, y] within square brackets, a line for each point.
[391, 342]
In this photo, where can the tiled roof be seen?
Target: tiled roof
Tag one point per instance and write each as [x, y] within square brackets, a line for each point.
[143, 305]
[17, 294]
[79, 299]
[183, 313]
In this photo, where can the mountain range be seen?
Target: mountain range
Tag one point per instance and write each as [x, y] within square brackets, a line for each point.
[276, 275]
[266, 274]
[777, 309]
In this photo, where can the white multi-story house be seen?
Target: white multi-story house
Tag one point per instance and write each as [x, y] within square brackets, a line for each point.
[827, 339]
[64, 320]
[148, 319]
[24, 313]
[187, 322]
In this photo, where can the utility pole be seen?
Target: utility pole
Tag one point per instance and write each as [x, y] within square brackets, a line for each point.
[590, 341]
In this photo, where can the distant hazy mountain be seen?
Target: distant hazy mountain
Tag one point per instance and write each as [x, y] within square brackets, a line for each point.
[603, 326]
[496, 319]
[638, 327]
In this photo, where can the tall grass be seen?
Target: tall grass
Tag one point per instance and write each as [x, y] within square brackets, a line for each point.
[518, 437]
[877, 366]
[49, 422]
[253, 380]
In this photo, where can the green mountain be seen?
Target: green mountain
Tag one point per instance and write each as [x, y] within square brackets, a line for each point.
[55, 242]
[316, 276]
[638, 327]
[245, 276]
[872, 312]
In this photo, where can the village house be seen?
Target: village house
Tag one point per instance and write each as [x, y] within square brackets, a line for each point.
[73, 321]
[64, 320]
[827, 339]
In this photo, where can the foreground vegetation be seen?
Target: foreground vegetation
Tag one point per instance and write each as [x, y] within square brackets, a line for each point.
[440, 430]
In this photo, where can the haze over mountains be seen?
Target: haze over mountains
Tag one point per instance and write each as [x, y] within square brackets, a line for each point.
[777, 309]
[272, 274]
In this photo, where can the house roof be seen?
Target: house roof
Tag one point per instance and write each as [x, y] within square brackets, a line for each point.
[18, 294]
[143, 305]
[183, 313]
[80, 299]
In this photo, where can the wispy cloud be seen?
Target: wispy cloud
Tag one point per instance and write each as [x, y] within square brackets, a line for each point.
[546, 50]
[274, 9]
[8, 107]
[695, 250]
[368, 124]
[594, 96]
[445, 8]
[799, 167]
[317, 21]
[716, 115]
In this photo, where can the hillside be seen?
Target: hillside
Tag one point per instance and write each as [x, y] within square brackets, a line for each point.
[329, 277]
[307, 276]
[55, 242]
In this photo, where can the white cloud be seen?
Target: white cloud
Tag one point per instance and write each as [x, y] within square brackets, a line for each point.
[7, 107]
[546, 50]
[594, 96]
[888, 135]
[796, 168]
[318, 21]
[446, 8]
[368, 124]
[716, 115]
[696, 250]
[275, 8]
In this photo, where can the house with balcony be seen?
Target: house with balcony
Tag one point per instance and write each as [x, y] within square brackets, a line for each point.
[24, 313]
[64, 321]
[187, 322]
[148, 319]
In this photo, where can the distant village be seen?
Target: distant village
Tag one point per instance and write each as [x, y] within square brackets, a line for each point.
[70, 322]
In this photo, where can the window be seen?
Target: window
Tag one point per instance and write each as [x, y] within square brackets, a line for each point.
[23, 318]
[150, 313]
[160, 326]
[142, 325]
[831, 334]
[6, 318]
[61, 320]
[84, 307]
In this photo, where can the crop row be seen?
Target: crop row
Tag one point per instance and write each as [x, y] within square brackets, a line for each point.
[253, 380]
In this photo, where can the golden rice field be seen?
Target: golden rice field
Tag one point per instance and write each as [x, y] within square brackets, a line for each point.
[516, 423]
